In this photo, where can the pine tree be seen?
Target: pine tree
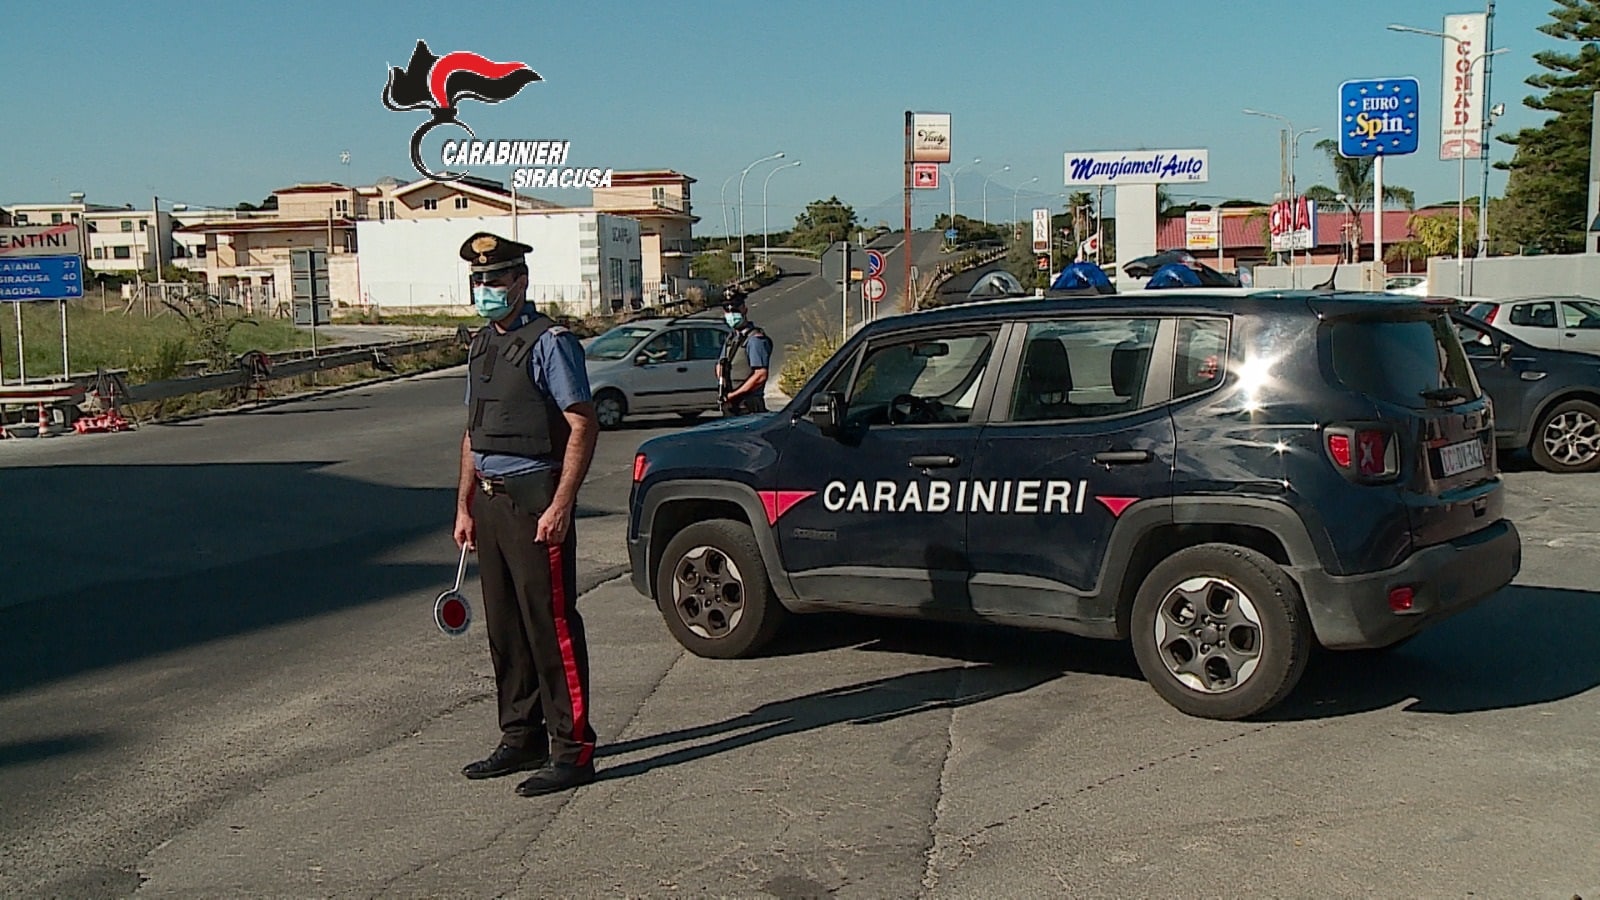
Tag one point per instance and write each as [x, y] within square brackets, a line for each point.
[1548, 188]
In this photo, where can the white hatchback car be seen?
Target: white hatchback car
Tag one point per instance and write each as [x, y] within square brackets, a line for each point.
[1564, 322]
[654, 366]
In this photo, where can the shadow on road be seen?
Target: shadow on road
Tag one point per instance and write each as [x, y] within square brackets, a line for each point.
[868, 703]
[105, 565]
[16, 753]
[1526, 646]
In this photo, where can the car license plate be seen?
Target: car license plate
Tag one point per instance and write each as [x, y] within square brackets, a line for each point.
[1463, 457]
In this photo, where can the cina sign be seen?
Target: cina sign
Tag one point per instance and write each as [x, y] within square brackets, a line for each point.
[1293, 224]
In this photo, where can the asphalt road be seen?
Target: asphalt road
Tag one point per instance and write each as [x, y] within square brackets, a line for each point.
[219, 677]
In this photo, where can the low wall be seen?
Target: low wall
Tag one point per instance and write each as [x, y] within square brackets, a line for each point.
[1348, 278]
[1504, 277]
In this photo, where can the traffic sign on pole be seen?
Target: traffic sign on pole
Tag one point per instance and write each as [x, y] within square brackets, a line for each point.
[875, 262]
[40, 278]
[874, 288]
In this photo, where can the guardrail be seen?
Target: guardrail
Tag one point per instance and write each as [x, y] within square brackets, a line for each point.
[279, 366]
[947, 271]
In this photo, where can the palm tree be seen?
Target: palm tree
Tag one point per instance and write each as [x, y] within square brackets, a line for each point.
[1353, 178]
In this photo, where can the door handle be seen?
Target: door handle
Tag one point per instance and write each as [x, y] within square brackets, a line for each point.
[1122, 457]
[935, 461]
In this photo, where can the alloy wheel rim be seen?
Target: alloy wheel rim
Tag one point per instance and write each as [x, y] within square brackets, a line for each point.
[1572, 438]
[608, 410]
[708, 592]
[1208, 634]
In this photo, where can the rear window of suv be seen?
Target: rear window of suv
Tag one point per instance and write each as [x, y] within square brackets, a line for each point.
[1415, 363]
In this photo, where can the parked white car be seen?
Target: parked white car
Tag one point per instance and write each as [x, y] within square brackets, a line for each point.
[1410, 285]
[1563, 322]
[655, 366]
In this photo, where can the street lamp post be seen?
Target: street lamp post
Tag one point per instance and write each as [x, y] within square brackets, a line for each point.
[766, 250]
[1353, 240]
[742, 229]
[727, 231]
[1014, 199]
[986, 192]
[1461, 154]
[953, 189]
[1292, 151]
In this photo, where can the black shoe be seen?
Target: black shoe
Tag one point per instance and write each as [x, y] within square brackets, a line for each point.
[505, 760]
[556, 777]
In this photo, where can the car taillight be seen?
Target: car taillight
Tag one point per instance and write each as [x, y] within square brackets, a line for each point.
[1339, 449]
[1364, 453]
[1493, 311]
[641, 464]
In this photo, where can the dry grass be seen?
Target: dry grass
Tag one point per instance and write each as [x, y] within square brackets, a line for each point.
[817, 345]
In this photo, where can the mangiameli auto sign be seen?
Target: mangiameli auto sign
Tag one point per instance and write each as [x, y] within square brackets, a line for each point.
[1137, 166]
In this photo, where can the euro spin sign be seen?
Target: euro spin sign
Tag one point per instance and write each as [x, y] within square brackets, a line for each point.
[1378, 117]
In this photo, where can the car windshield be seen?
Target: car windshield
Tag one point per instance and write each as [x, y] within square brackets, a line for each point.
[616, 343]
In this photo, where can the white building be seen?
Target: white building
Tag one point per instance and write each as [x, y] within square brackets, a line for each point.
[127, 240]
[586, 261]
[115, 238]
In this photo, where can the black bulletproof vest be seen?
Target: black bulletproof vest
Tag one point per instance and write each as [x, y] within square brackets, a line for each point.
[508, 413]
[735, 361]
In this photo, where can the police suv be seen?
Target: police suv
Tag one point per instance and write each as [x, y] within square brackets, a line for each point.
[1222, 479]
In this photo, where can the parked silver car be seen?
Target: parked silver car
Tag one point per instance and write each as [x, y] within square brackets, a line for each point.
[1564, 322]
[655, 366]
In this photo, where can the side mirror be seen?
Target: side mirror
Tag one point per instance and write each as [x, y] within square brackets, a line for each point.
[641, 360]
[1505, 354]
[827, 412]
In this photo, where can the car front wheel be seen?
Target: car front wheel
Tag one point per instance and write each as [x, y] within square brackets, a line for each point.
[609, 408]
[1220, 631]
[1568, 438]
[714, 593]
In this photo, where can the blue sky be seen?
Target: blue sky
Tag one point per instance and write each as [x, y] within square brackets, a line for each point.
[211, 104]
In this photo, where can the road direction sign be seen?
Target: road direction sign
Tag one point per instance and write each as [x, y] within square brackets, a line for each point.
[875, 262]
[1378, 117]
[40, 278]
[40, 240]
[951, 234]
[874, 289]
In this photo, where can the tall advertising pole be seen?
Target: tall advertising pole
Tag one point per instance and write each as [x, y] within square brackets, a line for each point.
[1483, 153]
[905, 244]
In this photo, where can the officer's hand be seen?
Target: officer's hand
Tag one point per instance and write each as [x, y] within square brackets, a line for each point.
[554, 525]
[466, 530]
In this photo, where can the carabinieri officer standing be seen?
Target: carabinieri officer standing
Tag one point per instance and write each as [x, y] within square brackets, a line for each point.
[530, 438]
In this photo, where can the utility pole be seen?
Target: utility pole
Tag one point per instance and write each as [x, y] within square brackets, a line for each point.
[844, 289]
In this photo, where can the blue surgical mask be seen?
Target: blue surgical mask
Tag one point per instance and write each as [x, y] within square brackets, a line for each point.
[734, 319]
[492, 302]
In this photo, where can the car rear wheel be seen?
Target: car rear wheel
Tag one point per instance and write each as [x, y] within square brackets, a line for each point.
[714, 593]
[1220, 631]
[1568, 438]
[609, 408]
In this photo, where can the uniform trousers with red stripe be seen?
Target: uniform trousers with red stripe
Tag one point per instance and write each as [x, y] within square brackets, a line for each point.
[536, 639]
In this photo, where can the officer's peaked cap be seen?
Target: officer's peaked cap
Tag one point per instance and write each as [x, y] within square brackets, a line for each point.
[491, 252]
